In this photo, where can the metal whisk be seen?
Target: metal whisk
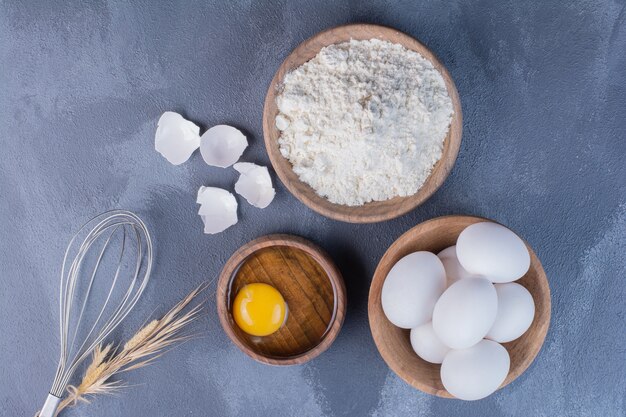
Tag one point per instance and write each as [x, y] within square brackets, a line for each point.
[92, 265]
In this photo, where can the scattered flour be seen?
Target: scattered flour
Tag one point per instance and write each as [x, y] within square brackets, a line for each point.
[363, 121]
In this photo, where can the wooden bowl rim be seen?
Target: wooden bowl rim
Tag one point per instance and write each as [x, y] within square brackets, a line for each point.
[514, 373]
[321, 257]
[387, 209]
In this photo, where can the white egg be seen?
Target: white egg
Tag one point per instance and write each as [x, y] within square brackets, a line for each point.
[427, 345]
[454, 269]
[465, 312]
[412, 288]
[475, 372]
[516, 310]
[493, 251]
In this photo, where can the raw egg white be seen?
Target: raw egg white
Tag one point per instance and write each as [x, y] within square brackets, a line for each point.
[493, 251]
[476, 372]
[427, 345]
[412, 288]
[454, 269]
[465, 312]
[516, 310]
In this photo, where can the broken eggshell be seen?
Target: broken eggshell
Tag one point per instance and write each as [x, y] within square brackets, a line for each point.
[222, 145]
[176, 138]
[254, 184]
[218, 209]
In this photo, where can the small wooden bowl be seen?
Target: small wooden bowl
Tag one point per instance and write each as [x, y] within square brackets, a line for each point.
[393, 343]
[375, 211]
[309, 281]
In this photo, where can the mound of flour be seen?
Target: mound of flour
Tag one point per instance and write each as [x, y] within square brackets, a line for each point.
[363, 121]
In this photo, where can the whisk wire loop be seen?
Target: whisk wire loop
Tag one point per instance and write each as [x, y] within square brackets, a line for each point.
[126, 284]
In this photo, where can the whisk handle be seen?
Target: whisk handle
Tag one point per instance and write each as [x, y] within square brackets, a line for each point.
[50, 406]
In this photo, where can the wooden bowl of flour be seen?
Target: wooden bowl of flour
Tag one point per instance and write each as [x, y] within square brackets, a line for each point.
[375, 211]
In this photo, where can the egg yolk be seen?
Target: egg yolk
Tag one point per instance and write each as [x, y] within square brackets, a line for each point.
[259, 309]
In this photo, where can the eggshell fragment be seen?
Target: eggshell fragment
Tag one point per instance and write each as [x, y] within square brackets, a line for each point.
[412, 288]
[454, 269]
[427, 345]
[254, 184]
[476, 372]
[218, 209]
[222, 145]
[465, 312]
[516, 310]
[176, 138]
[491, 250]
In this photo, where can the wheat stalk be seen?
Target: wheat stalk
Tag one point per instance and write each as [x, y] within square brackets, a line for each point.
[148, 344]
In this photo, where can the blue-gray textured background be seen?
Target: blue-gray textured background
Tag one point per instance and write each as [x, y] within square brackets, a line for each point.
[82, 84]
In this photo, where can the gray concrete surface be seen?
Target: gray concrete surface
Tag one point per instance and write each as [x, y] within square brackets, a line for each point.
[82, 84]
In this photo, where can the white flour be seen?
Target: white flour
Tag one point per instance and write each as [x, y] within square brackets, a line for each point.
[364, 121]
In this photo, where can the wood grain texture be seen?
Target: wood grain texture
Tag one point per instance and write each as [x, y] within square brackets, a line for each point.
[378, 210]
[311, 285]
[393, 343]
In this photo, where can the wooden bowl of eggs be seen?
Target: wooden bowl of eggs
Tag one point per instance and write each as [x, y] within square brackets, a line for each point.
[281, 300]
[459, 307]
